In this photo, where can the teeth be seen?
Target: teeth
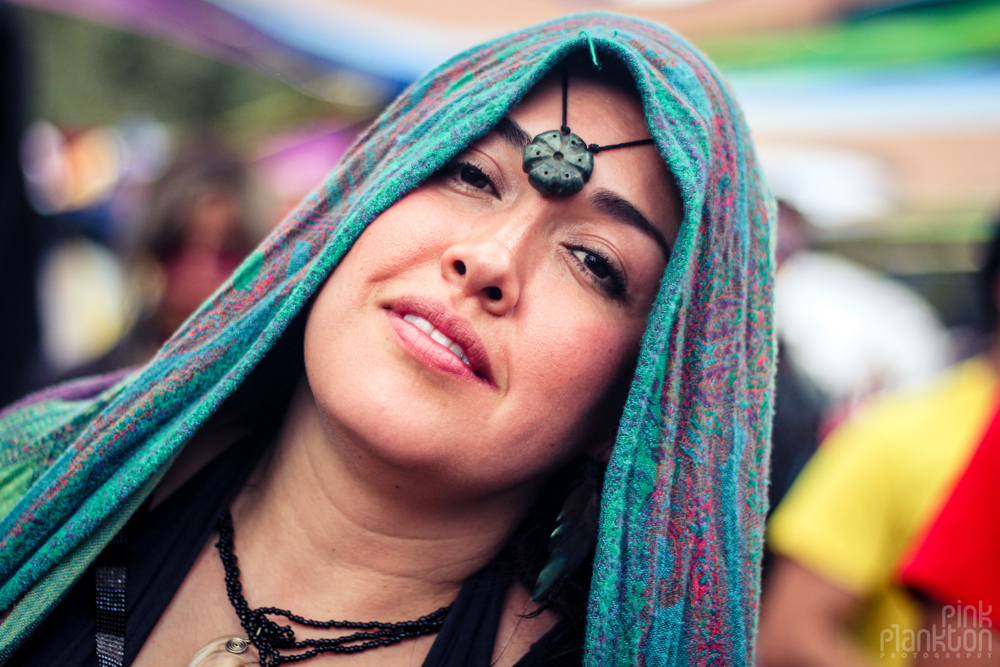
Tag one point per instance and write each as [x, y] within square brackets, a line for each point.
[436, 335]
[419, 323]
[441, 338]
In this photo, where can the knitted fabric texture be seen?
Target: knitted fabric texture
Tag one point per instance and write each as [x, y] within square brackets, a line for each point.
[676, 571]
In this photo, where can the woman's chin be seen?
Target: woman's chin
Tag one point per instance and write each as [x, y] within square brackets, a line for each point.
[407, 451]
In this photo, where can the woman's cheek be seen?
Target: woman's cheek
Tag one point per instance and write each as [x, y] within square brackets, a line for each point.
[577, 359]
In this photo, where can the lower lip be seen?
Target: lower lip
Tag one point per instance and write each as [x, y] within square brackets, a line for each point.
[428, 351]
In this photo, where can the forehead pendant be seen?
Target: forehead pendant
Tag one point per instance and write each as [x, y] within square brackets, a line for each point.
[558, 162]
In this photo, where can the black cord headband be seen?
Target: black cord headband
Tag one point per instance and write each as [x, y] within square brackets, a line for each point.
[559, 162]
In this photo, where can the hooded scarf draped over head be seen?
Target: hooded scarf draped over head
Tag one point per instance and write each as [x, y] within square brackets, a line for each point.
[676, 570]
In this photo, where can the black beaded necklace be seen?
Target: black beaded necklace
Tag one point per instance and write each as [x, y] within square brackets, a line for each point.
[267, 636]
[558, 162]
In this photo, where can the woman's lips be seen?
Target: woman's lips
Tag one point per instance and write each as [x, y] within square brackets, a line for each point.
[435, 334]
[440, 338]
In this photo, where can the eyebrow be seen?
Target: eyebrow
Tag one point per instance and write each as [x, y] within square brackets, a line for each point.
[623, 211]
[513, 134]
[605, 201]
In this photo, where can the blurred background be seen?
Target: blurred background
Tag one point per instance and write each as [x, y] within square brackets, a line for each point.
[146, 146]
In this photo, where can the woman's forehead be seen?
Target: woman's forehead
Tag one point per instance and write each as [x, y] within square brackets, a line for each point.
[599, 112]
[602, 114]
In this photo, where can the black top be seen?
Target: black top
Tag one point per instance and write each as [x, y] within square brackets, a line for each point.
[164, 543]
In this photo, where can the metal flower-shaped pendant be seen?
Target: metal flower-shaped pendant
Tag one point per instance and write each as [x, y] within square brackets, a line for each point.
[558, 164]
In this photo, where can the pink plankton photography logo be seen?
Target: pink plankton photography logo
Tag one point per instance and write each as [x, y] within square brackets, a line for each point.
[964, 632]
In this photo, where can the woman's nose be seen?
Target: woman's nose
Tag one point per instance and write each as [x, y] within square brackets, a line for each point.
[484, 270]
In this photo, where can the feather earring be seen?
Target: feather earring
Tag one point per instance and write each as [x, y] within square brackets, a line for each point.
[575, 534]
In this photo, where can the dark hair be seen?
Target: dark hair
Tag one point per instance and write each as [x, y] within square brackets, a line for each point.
[529, 550]
[987, 278]
[609, 70]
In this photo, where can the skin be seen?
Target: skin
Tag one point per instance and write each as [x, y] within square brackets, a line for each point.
[804, 619]
[950, 627]
[395, 479]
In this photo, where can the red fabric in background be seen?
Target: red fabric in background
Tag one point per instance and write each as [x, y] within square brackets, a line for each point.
[959, 555]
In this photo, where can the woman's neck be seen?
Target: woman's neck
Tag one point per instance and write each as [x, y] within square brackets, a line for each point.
[322, 514]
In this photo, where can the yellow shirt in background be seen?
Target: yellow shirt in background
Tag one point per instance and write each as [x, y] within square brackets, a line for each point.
[873, 484]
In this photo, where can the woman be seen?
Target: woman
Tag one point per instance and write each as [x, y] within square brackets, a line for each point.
[465, 360]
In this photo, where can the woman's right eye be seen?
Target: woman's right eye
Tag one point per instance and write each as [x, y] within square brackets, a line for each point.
[602, 272]
[469, 176]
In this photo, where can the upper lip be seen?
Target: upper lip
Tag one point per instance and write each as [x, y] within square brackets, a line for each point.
[452, 325]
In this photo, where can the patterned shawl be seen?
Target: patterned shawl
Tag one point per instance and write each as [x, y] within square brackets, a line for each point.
[676, 571]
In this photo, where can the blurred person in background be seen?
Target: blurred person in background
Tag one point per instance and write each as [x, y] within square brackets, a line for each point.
[799, 406]
[20, 236]
[853, 331]
[200, 219]
[954, 566]
[834, 597]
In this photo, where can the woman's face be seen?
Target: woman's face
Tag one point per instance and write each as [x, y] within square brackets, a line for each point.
[481, 333]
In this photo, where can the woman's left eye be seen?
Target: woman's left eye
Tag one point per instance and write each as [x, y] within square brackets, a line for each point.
[468, 175]
[603, 271]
